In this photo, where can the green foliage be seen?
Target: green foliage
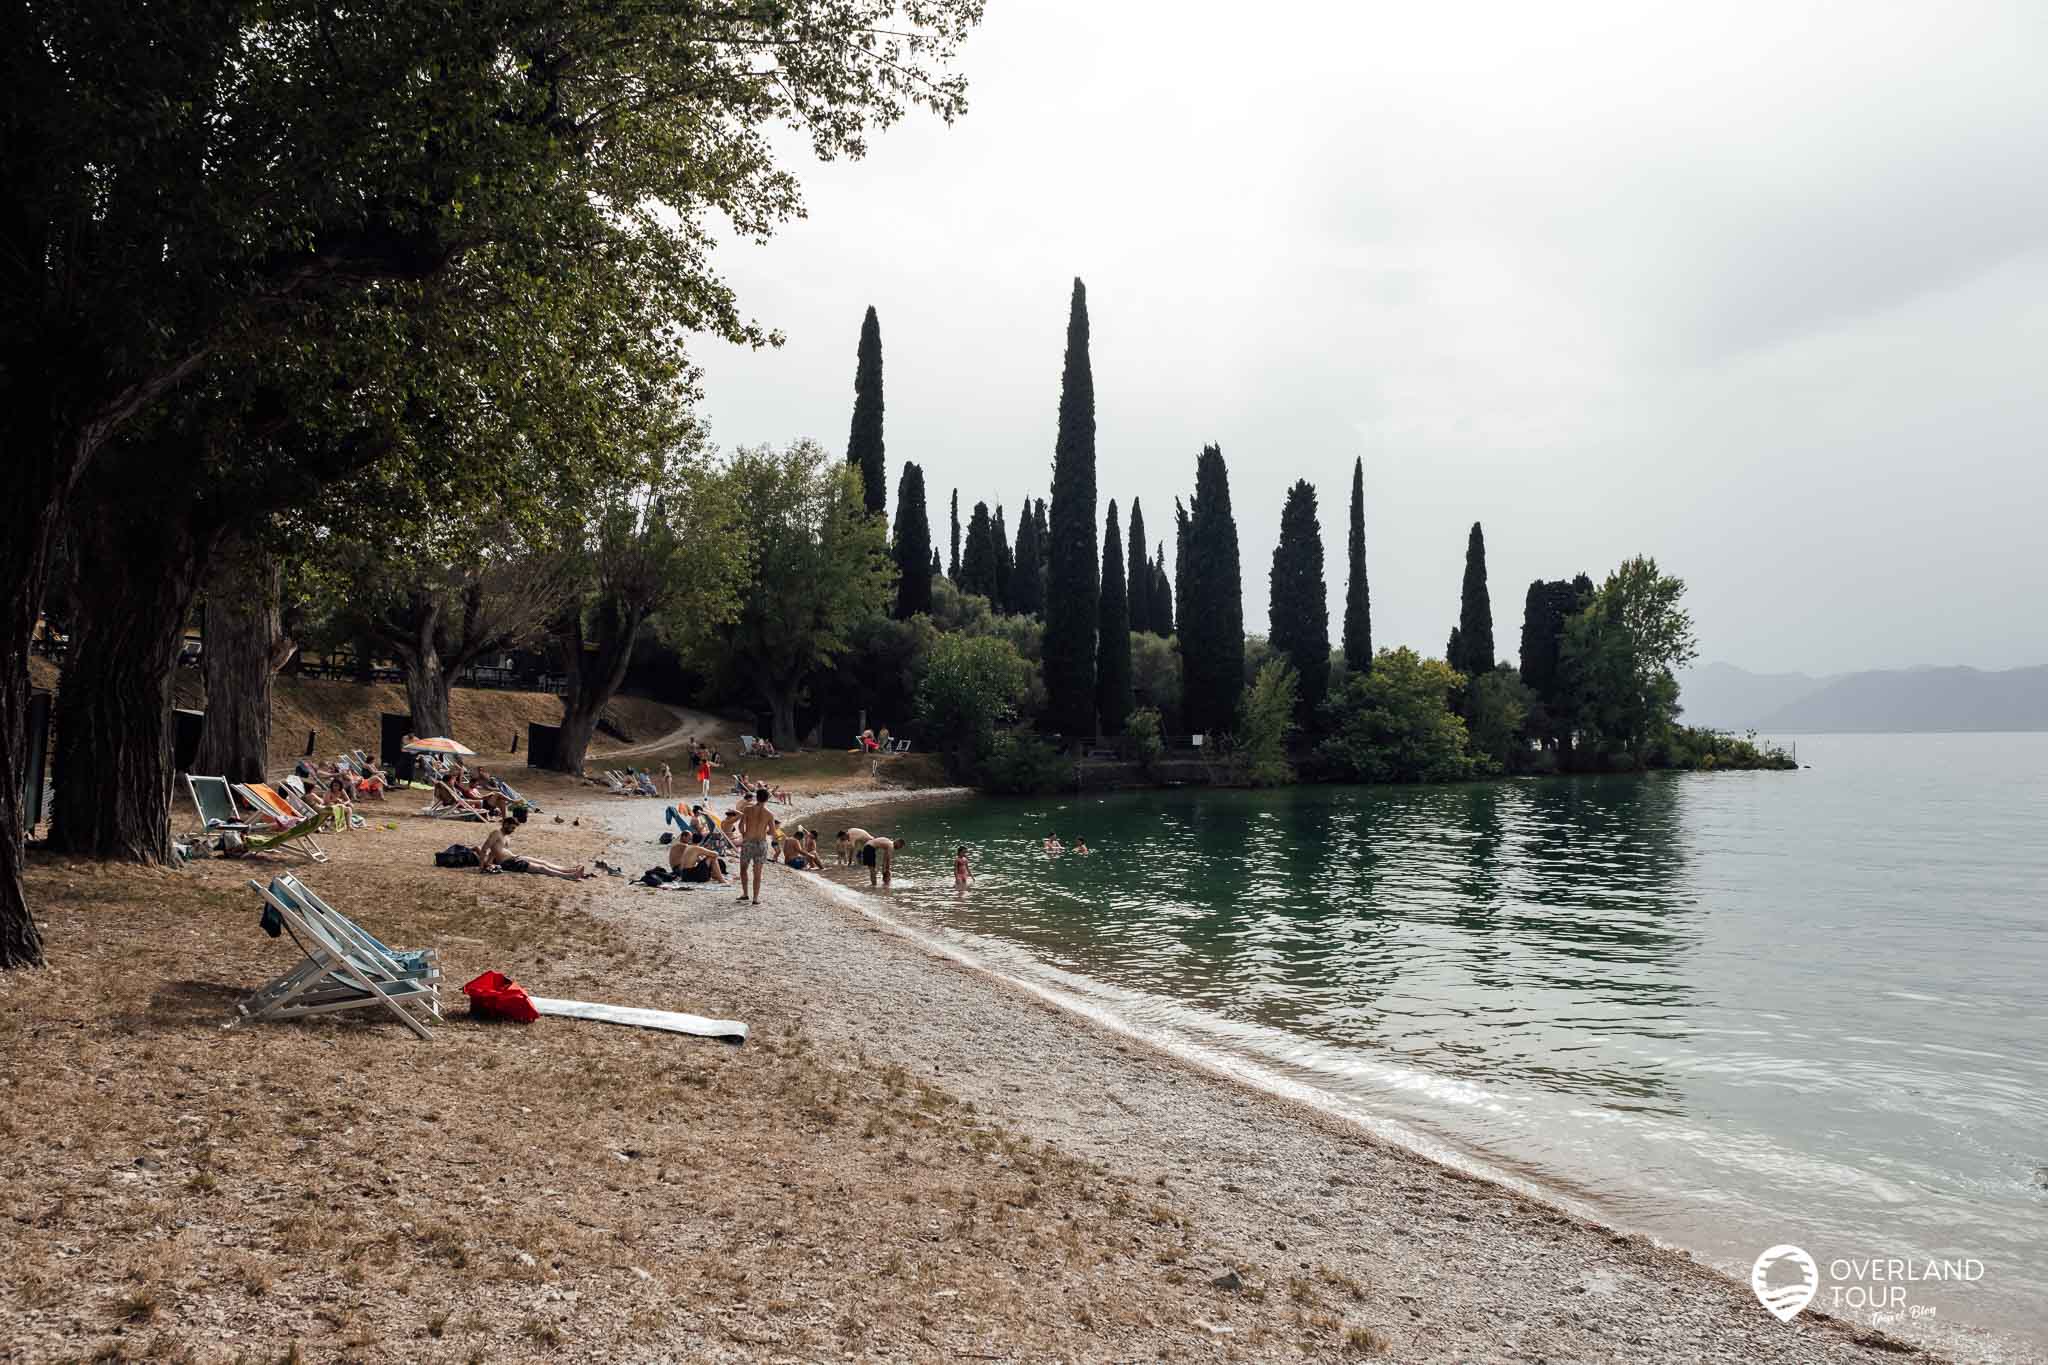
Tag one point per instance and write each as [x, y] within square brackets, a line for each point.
[1148, 737]
[1027, 574]
[956, 609]
[1497, 705]
[1395, 724]
[1155, 676]
[978, 560]
[1265, 719]
[1357, 592]
[999, 537]
[970, 686]
[818, 563]
[911, 544]
[1212, 602]
[1162, 596]
[1073, 589]
[1475, 612]
[1545, 610]
[1113, 635]
[1137, 573]
[1300, 602]
[879, 671]
[1025, 765]
[864, 442]
[1690, 748]
[1619, 657]
[953, 564]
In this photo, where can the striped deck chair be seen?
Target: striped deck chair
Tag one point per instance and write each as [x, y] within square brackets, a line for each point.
[215, 802]
[340, 971]
[290, 830]
[514, 797]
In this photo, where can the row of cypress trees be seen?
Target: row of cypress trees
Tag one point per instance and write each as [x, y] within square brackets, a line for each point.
[1091, 603]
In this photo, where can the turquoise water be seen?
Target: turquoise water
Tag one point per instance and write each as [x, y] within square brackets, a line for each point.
[1729, 1010]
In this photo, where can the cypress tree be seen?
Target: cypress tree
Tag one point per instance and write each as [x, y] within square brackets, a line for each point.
[1162, 595]
[1300, 606]
[1475, 612]
[912, 545]
[938, 569]
[953, 565]
[1138, 572]
[1180, 554]
[1072, 590]
[1454, 649]
[1044, 544]
[1113, 699]
[864, 444]
[1357, 596]
[1027, 579]
[978, 560]
[1000, 598]
[1212, 603]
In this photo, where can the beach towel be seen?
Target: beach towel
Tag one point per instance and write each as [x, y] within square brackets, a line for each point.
[730, 1030]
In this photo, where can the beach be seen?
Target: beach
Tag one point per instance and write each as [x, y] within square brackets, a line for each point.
[907, 1160]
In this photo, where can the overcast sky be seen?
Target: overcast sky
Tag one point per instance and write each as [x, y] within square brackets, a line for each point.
[1758, 289]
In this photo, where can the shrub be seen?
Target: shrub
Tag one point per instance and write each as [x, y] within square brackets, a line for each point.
[1395, 723]
[1023, 764]
[1147, 736]
[1265, 719]
[971, 684]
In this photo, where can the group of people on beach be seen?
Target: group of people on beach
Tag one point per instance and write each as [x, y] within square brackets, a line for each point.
[750, 830]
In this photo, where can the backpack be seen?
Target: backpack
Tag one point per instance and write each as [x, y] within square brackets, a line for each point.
[457, 855]
[668, 837]
[656, 876]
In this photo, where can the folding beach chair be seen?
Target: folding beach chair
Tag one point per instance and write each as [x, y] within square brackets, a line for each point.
[902, 747]
[215, 802]
[345, 968]
[291, 830]
[514, 797]
[747, 743]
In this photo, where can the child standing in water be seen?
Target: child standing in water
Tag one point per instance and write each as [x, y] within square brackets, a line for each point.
[960, 877]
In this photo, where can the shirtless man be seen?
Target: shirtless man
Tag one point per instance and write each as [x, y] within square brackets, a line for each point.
[793, 850]
[756, 824]
[695, 863]
[880, 856]
[851, 843]
[494, 854]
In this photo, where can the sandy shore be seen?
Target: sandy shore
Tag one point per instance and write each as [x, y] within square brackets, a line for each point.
[1452, 1268]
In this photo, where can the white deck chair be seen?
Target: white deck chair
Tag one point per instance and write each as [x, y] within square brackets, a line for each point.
[274, 812]
[215, 802]
[337, 973]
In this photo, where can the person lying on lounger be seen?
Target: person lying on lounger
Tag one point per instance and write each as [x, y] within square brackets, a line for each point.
[495, 856]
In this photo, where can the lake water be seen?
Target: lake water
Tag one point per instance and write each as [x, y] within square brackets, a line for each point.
[1729, 1010]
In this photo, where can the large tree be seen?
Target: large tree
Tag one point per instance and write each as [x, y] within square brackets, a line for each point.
[978, 561]
[1475, 612]
[669, 550]
[1357, 592]
[1162, 594]
[1072, 589]
[182, 178]
[244, 644]
[864, 443]
[953, 564]
[1138, 572]
[818, 563]
[1620, 658]
[1113, 660]
[1545, 610]
[1181, 522]
[912, 545]
[999, 537]
[1300, 603]
[1212, 603]
[1027, 576]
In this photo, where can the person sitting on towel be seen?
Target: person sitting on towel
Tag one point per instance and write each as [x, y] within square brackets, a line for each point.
[691, 861]
[494, 856]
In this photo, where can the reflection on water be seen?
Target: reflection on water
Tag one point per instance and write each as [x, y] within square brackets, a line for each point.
[1738, 1008]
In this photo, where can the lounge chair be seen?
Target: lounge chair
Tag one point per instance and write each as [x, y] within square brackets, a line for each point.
[514, 797]
[345, 967]
[902, 746]
[645, 785]
[290, 829]
[463, 809]
[215, 802]
[747, 743]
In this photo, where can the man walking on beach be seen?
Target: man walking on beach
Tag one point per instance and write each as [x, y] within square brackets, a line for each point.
[756, 824]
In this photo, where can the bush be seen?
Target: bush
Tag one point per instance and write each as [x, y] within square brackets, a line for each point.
[1147, 736]
[1265, 719]
[1497, 705]
[1023, 764]
[1155, 676]
[970, 685]
[1692, 749]
[1395, 723]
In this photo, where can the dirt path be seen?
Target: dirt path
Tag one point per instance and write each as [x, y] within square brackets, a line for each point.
[688, 723]
[1451, 1268]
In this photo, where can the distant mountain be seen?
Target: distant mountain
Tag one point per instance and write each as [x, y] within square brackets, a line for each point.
[1919, 699]
[1724, 697]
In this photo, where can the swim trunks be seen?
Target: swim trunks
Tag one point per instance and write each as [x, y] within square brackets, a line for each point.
[753, 851]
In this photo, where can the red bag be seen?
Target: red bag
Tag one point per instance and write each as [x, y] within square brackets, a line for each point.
[497, 996]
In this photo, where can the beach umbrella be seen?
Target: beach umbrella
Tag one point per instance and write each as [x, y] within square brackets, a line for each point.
[440, 746]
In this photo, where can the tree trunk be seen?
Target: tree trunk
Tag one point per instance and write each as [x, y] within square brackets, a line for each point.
[595, 675]
[426, 691]
[114, 710]
[242, 632]
[781, 700]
